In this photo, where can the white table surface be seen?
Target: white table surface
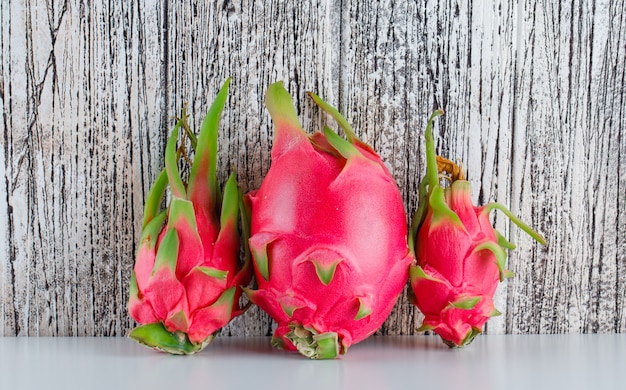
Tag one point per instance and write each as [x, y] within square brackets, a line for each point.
[419, 362]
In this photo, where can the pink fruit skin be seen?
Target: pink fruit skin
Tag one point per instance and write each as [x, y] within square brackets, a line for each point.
[316, 208]
[446, 253]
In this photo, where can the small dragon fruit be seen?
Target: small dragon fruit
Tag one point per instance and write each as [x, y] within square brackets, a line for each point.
[460, 257]
[328, 236]
[186, 282]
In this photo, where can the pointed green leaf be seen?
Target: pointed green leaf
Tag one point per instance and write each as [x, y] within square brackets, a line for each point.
[425, 328]
[213, 272]
[465, 303]
[442, 213]
[228, 299]
[288, 132]
[280, 105]
[153, 201]
[495, 313]
[261, 261]
[251, 294]
[503, 242]
[320, 143]
[133, 290]
[151, 231]
[236, 312]
[288, 309]
[182, 210]
[230, 202]
[364, 310]
[471, 335]
[341, 121]
[345, 148]
[171, 165]
[179, 320]
[417, 272]
[325, 272]
[498, 252]
[155, 196]
[167, 255]
[508, 274]
[206, 151]
[156, 336]
[538, 237]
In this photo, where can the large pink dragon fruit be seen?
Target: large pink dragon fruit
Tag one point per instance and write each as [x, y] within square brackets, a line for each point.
[328, 236]
[460, 257]
[186, 282]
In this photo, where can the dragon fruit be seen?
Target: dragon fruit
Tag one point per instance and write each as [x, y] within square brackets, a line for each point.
[186, 281]
[328, 236]
[460, 256]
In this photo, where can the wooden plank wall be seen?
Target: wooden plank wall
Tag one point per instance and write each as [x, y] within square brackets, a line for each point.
[534, 92]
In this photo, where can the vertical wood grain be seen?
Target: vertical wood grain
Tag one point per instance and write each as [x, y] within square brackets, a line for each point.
[73, 161]
[535, 100]
[569, 121]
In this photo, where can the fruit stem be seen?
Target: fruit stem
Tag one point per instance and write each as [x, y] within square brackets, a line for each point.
[185, 125]
[431, 156]
[314, 345]
[538, 237]
[332, 111]
[454, 171]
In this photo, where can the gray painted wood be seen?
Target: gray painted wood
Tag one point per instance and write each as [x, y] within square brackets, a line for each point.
[535, 108]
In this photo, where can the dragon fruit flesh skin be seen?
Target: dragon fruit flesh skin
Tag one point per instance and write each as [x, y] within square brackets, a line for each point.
[186, 281]
[460, 256]
[328, 236]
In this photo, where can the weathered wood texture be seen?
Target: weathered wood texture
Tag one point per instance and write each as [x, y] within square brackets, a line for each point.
[535, 100]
